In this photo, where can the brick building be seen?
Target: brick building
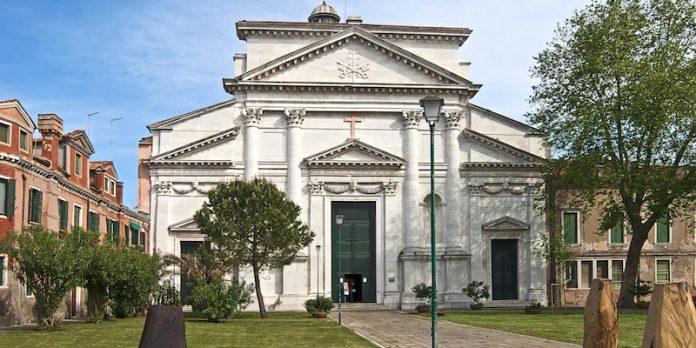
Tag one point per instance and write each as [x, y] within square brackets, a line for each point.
[50, 180]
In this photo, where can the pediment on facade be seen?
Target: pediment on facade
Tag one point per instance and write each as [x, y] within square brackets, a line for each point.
[354, 56]
[169, 122]
[496, 150]
[206, 149]
[185, 226]
[505, 223]
[352, 153]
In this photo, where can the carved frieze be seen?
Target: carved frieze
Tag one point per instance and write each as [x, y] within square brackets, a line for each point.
[182, 188]
[501, 187]
[163, 187]
[252, 116]
[411, 118]
[453, 119]
[337, 188]
[294, 117]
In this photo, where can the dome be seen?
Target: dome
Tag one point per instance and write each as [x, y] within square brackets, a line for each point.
[324, 14]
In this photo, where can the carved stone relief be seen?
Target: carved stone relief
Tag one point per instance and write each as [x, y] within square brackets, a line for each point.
[369, 188]
[252, 116]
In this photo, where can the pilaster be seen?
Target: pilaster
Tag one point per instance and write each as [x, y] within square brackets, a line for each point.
[411, 209]
[252, 118]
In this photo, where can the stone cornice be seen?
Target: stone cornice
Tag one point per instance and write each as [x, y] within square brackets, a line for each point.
[247, 29]
[501, 165]
[484, 139]
[232, 86]
[184, 163]
[67, 185]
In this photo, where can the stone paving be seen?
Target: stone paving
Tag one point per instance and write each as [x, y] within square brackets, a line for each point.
[397, 329]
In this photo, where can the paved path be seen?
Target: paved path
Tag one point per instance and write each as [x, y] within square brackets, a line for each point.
[396, 329]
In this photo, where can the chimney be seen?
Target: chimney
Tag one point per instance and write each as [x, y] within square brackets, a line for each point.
[50, 123]
[354, 20]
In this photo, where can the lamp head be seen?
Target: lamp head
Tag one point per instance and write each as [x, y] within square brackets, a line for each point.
[432, 105]
[339, 219]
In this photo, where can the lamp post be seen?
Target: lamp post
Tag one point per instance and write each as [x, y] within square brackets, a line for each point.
[339, 222]
[431, 110]
[318, 249]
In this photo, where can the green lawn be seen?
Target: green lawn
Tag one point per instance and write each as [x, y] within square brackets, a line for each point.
[559, 327]
[287, 329]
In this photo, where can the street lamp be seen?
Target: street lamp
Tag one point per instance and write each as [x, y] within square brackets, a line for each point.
[431, 110]
[318, 249]
[339, 222]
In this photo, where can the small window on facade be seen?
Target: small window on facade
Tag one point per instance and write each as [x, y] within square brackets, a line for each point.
[662, 271]
[571, 274]
[662, 230]
[135, 238]
[570, 227]
[585, 274]
[93, 221]
[112, 188]
[23, 140]
[7, 196]
[78, 164]
[77, 216]
[616, 234]
[62, 215]
[616, 270]
[3, 270]
[5, 133]
[602, 270]
[35, 205]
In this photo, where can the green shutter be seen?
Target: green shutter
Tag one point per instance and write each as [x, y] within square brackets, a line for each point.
[35, 200]
[10, 198]
[570, 228]
[662, 229]
[617, 232]
[134, 236]
[126, 234]
[63, 214]
[115, 230]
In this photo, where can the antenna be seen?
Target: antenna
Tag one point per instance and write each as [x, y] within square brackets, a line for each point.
[111, 126]
[89, 120]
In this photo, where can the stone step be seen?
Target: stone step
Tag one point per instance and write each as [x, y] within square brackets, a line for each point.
[363, 307]
[506, 304]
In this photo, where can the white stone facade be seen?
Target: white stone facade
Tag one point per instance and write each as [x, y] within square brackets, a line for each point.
[330, 113]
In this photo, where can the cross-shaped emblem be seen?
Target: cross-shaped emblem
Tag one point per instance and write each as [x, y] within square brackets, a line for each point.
[352, 69]
[353, 120]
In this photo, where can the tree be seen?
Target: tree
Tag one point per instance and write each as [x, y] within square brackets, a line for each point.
[253, 223]
[97, 272]
[134, 277]
[616, 95]
[46, 262]
[203, 266]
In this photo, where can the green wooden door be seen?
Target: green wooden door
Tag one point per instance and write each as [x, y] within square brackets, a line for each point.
[356, 249]
[504, 269]
[187, 283]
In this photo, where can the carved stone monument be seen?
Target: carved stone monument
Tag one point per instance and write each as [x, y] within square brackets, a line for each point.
[671, 318]
[164, 327]
[601, 316]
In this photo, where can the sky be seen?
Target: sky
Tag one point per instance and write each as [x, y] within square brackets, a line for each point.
[147, 60]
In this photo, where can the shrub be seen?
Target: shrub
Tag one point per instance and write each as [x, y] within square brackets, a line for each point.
[48, 263]
[423, 292]
[135, 278]
[324, 304]
[641, 289]
[166, 294]
[221, 299]
[311, 305]
[477, 290]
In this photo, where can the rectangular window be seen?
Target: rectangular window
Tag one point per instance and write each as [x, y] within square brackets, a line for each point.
[662, 230]
[142, 240]
[602, 270]
[662, 271]
[135, 239]
[62, 215]
[112, 230]
[3, 270]
[112, 188]
[106, 183]
[93, 221]
[7, 197]
[585, 274]
[35, 205]
[616, 234]
[126, 234]
[616, 270]
[77, 216]
[78, 164]
[23, 140]
[571, 274]
[570, 227]
[5, 133]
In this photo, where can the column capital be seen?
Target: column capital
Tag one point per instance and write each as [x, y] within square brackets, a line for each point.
[411, 118]
[252, 116]
[294, 117]
[453, 119]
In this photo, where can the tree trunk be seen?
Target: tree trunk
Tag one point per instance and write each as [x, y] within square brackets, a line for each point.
[259, 296]
[631, 268]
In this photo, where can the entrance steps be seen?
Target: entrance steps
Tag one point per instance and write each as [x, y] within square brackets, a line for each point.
[362, 307]
[506, 304]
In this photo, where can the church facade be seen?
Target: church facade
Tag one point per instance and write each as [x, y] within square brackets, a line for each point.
[329, 112]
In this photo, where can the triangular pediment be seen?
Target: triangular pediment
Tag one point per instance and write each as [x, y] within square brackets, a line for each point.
[498, 150]
[187, 225]
[202, 149]
[354, 56]
[79, 137]
[505, 223]
[353, 153]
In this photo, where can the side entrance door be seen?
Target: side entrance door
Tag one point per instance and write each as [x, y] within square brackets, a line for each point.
[504, 269]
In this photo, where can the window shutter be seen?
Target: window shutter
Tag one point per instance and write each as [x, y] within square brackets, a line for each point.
[63, 214]
[116, 232]
[10, 198]
[570, 228]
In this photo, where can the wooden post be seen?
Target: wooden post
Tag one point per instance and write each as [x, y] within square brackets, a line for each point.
[164, 328]
[671, 318]
[601, 316]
